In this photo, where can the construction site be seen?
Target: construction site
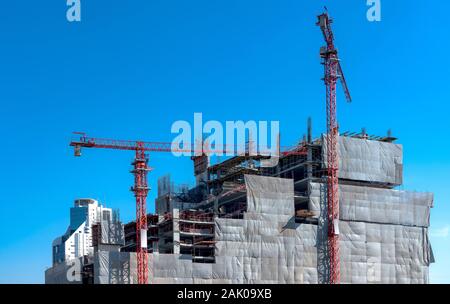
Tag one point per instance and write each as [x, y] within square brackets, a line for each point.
[328, 211]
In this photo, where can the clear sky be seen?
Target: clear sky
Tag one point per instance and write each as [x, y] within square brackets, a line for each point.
[130, 69]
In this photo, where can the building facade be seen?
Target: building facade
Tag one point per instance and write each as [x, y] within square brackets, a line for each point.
[77, 240]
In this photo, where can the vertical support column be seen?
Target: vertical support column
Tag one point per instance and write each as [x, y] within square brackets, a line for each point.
[309, 170]
[176, 230]
[160, 234]
[140, 190]
[216, 206]
[331, 63]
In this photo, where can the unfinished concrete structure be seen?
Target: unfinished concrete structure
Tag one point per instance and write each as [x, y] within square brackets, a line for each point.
[243, 223]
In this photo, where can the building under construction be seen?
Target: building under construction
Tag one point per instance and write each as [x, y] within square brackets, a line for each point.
[245, 223]
[326, 211]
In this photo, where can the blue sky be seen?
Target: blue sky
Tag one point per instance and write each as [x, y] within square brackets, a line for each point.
[132, 68]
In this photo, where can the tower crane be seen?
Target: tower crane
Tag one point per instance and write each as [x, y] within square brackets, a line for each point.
[333, 72]
[140, 171]
[140, 188]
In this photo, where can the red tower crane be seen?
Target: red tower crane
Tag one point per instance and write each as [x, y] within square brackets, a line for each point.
[333, 71]
[141, 187]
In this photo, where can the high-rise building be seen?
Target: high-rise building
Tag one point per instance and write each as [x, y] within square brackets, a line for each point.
[77, 240]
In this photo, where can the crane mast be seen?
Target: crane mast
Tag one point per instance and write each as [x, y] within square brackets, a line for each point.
[333, 72]
[140, 190]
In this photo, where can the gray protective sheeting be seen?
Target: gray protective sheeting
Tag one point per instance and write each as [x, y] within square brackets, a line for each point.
[383, 233]
[377, 243]
[112, 233]
[368, 160]
[376, 205]
[112, 267]
[381, 253]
